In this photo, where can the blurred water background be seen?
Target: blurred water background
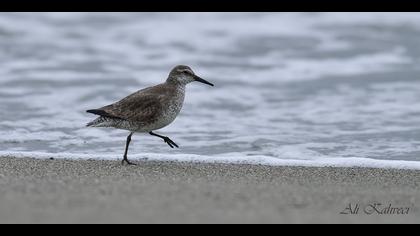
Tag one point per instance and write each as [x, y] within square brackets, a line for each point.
[289, 86]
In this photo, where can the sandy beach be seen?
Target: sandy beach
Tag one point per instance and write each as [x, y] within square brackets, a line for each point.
[95, 191]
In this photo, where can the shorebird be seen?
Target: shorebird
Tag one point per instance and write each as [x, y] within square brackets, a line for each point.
[148, 109]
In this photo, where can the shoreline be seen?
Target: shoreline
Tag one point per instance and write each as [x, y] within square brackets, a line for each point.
[229, 159]
[103, 191]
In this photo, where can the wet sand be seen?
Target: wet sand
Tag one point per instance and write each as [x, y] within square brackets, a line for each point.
[96, 191]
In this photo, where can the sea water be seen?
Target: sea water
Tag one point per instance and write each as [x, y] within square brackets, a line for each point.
[319, 89]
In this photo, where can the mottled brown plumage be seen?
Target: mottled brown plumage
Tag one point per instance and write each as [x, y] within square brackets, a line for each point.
[142, 108]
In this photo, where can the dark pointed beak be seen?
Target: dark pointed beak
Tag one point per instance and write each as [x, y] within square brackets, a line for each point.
[198, 79]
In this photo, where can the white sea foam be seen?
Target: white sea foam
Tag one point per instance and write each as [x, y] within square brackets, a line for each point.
[230, 158]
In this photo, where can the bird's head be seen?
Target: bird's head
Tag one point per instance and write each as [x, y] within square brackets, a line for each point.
[184, 75]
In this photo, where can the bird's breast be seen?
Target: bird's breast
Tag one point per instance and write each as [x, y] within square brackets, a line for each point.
[170, 110]
[174, 107]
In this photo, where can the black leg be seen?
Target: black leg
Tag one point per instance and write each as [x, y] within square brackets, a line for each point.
[125, 160]
[166, 139]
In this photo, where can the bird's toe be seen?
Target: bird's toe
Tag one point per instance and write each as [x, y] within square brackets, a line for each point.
[171, 143]
[128, 162]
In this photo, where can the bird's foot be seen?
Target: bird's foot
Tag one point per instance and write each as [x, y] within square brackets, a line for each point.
[170, 142]
[128, 162]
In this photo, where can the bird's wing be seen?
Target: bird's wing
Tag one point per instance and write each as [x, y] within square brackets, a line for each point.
[141, 107]
[144, 106]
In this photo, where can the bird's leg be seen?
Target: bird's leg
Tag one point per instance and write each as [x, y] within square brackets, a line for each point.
[166, 139]
[125, 160]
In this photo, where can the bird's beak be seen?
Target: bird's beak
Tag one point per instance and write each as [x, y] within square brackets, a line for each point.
[198, 79]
